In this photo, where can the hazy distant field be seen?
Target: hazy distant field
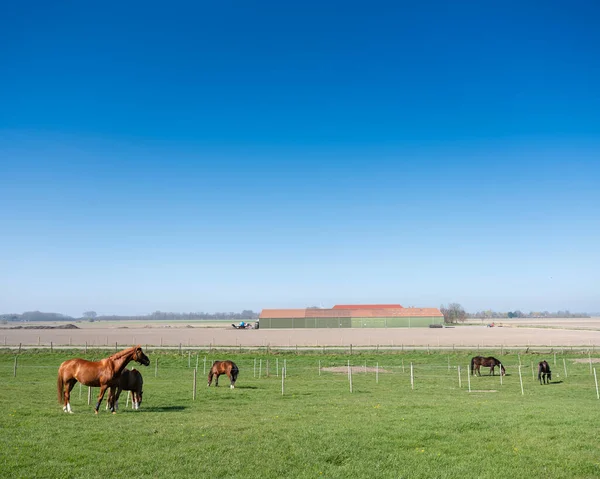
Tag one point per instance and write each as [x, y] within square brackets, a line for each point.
[552, 332]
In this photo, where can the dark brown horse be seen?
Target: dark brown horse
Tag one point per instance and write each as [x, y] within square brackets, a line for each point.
[490, 362]
[544, 372]
[102, 374]
[128, 381]
[223, 367]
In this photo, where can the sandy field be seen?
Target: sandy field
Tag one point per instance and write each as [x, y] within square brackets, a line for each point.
[522, 333]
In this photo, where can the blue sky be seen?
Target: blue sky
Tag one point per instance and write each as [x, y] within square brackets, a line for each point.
[217, 157]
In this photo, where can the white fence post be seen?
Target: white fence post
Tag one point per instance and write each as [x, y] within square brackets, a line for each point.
[469, 378]
[194, 387]
[521, 381]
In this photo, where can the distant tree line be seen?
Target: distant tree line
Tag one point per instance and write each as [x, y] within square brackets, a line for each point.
[455, 313]
[35, 316]
[489, 314]
[155, 316]
[168, 316]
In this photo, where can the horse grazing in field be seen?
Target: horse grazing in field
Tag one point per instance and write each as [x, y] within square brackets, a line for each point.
[102, 374]
[128, 381]
[544, 373]
[490, 362]
[223, 367]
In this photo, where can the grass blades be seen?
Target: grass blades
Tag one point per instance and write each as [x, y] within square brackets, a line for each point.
[317, 428]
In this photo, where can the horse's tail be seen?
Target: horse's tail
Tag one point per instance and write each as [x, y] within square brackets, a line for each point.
[234, 372]
[472, 365]
[60, 386]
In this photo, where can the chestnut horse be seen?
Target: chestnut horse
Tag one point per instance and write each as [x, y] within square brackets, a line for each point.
[103, 374]
[544, 372]
[223, 367]
[490, 362]
[128, 381]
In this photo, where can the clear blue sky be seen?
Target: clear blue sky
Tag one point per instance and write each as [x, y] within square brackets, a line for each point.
[214, 156]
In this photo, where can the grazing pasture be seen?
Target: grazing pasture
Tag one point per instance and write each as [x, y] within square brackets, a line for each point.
[316, 428]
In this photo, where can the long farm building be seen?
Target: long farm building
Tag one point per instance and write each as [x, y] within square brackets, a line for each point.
[351, 316]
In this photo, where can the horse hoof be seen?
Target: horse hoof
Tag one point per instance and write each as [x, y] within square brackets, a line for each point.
[232, 386]
[114, 412]
[70, 412]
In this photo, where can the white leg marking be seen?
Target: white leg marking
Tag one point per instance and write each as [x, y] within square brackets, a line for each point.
[69, 408]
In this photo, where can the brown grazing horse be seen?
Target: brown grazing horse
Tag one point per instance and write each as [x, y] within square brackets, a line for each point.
[490, 362]
[223, 367]
[544, 372]
[102, 374]
[128, 381]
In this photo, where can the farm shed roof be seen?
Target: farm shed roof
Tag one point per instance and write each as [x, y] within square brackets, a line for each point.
[328, 313]
[283, 313]
[396, 313]
[367, 306]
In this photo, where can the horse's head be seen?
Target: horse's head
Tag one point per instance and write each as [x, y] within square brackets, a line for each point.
[502, 370]
[140, 357]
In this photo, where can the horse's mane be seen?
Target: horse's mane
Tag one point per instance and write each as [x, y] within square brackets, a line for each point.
[120, 354]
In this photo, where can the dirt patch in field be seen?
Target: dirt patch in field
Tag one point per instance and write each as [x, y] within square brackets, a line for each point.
[355, 369]
[584, 360]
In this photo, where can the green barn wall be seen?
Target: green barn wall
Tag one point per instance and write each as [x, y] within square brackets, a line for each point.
[299, 323]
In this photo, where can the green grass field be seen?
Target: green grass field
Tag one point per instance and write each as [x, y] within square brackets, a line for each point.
[316, 429]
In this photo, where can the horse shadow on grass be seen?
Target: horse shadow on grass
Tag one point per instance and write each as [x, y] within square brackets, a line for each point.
[555, 382]
[162, 409]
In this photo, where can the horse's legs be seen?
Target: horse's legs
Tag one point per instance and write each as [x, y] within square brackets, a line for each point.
[116, 394]
[217, 379]
[70, 385]
[110, 402]
[231, 380]
[100, 397]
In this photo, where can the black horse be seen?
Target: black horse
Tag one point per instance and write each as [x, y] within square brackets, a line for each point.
[544, 373]
[490, 362]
